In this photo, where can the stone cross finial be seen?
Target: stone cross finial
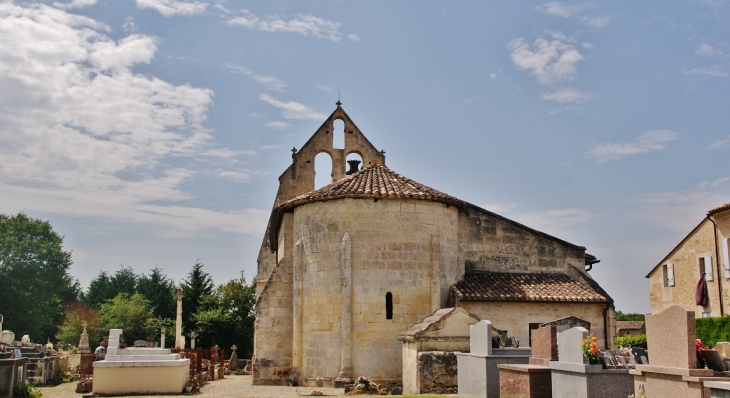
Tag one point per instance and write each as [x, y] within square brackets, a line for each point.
[293, 151]
[382, 152]
[192, 335]
[84, 323]
[179, 294]
[234, 348]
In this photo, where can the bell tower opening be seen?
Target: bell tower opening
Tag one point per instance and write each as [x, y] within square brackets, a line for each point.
[354, 163]
[322, 170]
[338, 134]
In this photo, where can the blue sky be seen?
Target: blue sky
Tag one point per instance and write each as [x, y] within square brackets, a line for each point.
[152, 132]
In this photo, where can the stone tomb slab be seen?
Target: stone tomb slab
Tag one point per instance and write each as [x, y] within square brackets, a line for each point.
[569, 345]
[524, 381]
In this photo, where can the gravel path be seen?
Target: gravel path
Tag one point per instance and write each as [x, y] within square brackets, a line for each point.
[230, 386]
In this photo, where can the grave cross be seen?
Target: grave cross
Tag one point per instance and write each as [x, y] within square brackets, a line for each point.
[192, 336]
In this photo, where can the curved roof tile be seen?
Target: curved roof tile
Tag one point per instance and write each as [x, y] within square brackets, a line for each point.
[376, 181]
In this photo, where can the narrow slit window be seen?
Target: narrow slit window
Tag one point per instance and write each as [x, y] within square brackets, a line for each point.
[389, 305]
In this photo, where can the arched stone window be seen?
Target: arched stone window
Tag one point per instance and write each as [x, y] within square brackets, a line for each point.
[322, 170]
[389, 305]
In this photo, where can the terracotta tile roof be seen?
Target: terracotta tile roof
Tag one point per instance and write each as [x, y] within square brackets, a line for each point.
[375, 181]
[525, 286]
[635, 325]
[718, 209]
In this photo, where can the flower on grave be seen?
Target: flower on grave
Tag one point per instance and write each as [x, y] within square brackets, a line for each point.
[316, 393]
[363, 380]
[589, 348]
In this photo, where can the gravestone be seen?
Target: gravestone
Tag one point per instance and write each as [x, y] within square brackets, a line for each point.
[233, 362]
[670, 337]
[569, 345]
[140, 343]
[480, 338]
[544, 345]
[723, 347]
[84, 347]
[713, 360]
[115, 336]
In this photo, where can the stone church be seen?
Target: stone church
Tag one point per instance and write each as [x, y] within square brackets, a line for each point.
[345, 268]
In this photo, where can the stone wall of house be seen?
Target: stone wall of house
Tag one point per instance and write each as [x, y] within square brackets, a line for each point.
[493, 243]
[685, 258]
[516, 317]
[355, 252]
[273, 326]
[723, 236]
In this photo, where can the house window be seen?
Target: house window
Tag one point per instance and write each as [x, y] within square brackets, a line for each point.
[388, 305]
[706, 267]
[707, 314]
[668, 274]
[726, 257]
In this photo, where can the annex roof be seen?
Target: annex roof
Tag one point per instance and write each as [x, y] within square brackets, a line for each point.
[632, 325]
[718, 209]
[376, 181]
[526, 286]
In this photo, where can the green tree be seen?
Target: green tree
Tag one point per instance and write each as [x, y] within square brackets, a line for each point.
[105, 287]
[34, 276]
[620, 316]
[195, 287]
[132, 313]
[226, 317]
[74, 315]
[160, 291]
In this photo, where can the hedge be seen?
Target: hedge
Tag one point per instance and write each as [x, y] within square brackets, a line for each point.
[712, 330]
[626, 341]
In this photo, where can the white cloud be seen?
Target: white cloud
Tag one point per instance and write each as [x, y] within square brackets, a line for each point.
[549, 60]
[595, 22]
[129, 26]
[269, 81]
[169, 8]
[567, 95]
[554, 221]
[238, 176]
[720, 143]
[492, 76]
[75, 4]
[83, 135]
[352, 37]
[587, 45]
[323, 88]
[221, 8]
[705, 49]
[561, 10]
[291, 109]
[687, 207]
[303, 24]
[650, 141]
[278, 125]
[555, 9]
[715, 71]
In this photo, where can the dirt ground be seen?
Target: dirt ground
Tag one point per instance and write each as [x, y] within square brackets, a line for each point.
[230, 386]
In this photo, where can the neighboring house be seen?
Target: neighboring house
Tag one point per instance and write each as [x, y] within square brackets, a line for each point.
[345, 268]
[704, 250]
[630, 328]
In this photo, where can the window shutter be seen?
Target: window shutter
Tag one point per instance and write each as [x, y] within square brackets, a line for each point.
[708, 268]
[726, 258]
[670, 274]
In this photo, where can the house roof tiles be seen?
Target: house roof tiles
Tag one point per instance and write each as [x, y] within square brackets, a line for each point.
[525, 286]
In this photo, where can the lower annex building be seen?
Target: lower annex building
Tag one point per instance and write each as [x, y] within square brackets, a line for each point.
[344, 269]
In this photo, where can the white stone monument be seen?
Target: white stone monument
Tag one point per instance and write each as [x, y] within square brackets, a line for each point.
[179, 338]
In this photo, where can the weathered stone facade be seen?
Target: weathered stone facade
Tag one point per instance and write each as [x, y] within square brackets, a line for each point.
[674, 279]
[344, 269]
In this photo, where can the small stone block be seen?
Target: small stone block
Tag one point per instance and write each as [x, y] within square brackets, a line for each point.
[670, 336]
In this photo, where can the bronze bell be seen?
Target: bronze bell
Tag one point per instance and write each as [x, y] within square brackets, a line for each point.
[353, 167]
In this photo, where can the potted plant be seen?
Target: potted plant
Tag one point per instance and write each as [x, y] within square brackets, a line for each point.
[590, 351]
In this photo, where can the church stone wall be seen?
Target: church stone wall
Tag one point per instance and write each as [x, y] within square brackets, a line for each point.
[493, 243]
[516, 317]
[402, 247]
[273, 325]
